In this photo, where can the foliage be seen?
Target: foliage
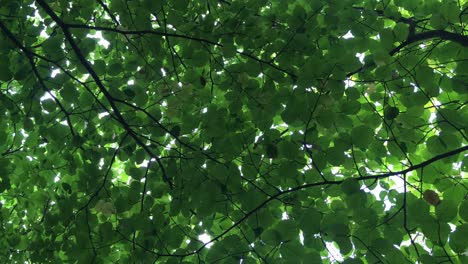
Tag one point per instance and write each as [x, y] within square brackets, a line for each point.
[286, 131]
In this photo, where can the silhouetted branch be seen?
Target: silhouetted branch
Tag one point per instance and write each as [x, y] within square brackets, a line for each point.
[68, 36]
[441, 34]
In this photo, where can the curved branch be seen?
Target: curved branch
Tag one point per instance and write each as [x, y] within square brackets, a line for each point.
[441, 34]
[97, 80]
[309, 185]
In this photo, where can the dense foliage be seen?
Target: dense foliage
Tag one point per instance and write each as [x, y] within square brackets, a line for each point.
[284, 131]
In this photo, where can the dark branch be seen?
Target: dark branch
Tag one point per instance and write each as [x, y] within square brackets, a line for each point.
[324, 183]
[440, 34]
[110, 99]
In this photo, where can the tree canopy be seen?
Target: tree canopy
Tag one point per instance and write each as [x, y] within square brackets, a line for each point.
[233, 131]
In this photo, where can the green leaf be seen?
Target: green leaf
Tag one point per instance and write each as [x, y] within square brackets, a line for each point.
[292, 251]
[463, 210]
[418, 208]
[287, 229]
[5, 72]
[271, 151]
[387, 38]
[49, 105]
[52, 47]
[99, 66]
[69, 93]
[86, 99]
[115, 69]
[457, 239]
[401, 31]
[335, 156]
[435, 145]
[438, 21]
[271, 237]
[350, 186]
[310, 221]
[446, 211]
[362, 136]
[129, 92]
[352, 261]
[352, 93]
[180, 4]
[287, 149]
